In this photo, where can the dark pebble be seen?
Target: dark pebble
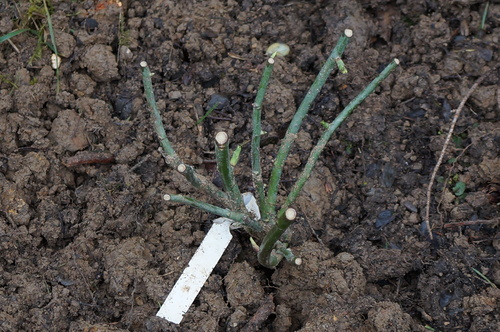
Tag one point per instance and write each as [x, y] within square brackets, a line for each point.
[384, 218]
[90, 24]
[372, 170]
[420, 113]
[446, 110]
[123, 105]
[445, 299]
[208, 34]
[486, 54]
[410, 207]
[388, 175]
[423, 229]
[158, 23]
[4, 162]
[218, 101]
[64, 282]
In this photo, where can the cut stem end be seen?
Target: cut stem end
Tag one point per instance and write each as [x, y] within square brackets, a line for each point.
[290, 214]
[181, 168]
[221, 138]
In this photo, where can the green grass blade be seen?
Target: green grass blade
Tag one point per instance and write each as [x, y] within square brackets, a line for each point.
[12, 34]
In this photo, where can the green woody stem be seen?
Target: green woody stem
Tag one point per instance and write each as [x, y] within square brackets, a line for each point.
[168, 152]
[284, 220]
[236, 216]
[158, 124]
[268, 208]
[226, 170]
[257, 130]
[267, 257]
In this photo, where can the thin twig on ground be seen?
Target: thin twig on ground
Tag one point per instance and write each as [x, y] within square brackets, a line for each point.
[472, 222]
[446, 143]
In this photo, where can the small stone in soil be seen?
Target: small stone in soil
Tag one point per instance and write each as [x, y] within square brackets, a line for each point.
[384, 218]
[388, 175]
[445, 299]
[410, 207]
[217, 101]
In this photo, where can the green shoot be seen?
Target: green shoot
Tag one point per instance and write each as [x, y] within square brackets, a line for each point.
[235, 156]
[492, 284]
[226, 170]
[12, 34]
[4, 79]
[341, 65]
[485, 15]
[53, 41]
[207, 114]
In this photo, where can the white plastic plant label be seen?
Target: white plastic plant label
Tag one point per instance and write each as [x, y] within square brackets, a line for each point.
[201, 265]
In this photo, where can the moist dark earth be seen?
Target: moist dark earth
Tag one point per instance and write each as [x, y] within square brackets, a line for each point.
[88, 244]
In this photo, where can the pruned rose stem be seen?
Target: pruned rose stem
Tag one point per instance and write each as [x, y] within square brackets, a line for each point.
[273, 224]
[168, 152]
[226, 170]
[268, 208]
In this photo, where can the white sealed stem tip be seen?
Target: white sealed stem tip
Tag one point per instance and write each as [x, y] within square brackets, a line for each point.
[298, 261]
[290, 214]
[348, 32]
[144, 64]
[221, 138]
[181, 168]
[167, 197]
[270, 61]
[396, 60]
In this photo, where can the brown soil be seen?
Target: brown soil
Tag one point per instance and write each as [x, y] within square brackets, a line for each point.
[87, 244]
